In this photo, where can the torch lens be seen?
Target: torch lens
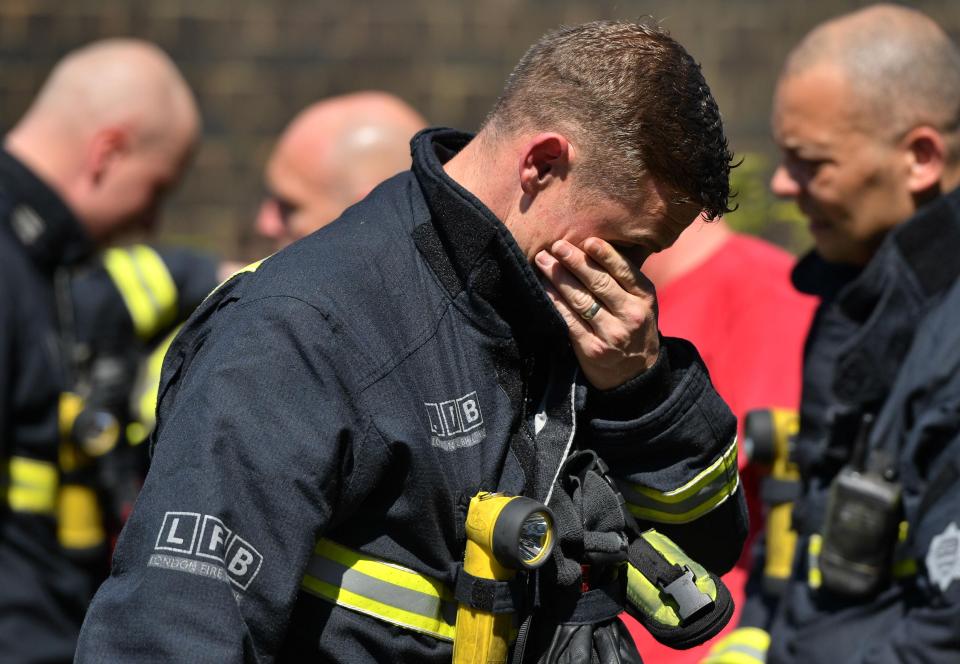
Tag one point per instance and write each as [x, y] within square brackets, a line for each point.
[535, 535]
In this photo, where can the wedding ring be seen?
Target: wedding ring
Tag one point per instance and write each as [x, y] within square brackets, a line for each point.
[591, 312]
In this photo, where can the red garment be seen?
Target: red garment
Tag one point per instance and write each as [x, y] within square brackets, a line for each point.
[741, 311]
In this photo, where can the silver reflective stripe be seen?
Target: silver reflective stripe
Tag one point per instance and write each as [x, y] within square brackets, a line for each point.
[703, 494]
[380, 591]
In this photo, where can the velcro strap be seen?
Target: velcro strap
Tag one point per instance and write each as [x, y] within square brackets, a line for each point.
[599, 604]
[487, 594]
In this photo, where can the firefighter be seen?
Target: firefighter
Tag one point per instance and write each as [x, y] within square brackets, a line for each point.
[476, 324]
[108, 134]
[867, 114]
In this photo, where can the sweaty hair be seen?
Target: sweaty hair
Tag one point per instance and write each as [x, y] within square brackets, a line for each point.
[903, 69]
[635, 101]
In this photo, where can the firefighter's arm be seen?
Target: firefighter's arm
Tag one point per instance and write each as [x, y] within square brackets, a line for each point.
[669, 440]
[255, 445]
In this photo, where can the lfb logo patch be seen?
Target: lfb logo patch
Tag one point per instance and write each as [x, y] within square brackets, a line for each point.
[201, 536]
[456, 423]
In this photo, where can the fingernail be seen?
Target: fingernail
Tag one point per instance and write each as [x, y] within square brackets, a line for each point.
[562, 249]
[543, 258]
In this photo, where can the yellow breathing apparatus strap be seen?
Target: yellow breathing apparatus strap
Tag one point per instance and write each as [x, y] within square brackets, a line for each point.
[146, 286]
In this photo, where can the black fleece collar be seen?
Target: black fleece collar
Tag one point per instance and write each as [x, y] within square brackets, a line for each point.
[916, 264]
[40, 221]
[925, 247]
[470, 249]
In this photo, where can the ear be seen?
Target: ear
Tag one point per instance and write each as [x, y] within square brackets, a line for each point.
[105, 147]
[926, 154]
[545, 159]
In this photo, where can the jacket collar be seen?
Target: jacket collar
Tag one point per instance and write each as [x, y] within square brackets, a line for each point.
[39, 219]
[471, 250]
[914, 266]
[922, 249]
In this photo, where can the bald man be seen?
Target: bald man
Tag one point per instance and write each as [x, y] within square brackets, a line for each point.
[867, 115]
[329, 157]
[106, 137]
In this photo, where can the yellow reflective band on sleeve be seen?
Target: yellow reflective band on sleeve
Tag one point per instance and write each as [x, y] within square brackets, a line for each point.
[648, 598]
[383, 590]
[32, 486]
[709, 489]
[814, 577]
[146, 286]
[746, 645]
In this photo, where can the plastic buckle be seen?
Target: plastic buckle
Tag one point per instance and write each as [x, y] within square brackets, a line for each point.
[691, 601]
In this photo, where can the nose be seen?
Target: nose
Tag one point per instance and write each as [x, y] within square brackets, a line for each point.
[269, 225]
[783, 184]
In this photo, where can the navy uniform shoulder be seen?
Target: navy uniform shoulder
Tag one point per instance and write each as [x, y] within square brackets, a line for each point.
[363, 272]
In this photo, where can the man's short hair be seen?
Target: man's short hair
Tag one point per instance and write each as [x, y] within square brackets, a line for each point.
[637, 102]
[904, 70]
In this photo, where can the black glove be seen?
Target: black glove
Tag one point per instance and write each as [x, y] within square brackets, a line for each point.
[597, 643]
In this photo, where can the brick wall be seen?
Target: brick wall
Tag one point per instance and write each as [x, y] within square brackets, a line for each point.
[254, 64]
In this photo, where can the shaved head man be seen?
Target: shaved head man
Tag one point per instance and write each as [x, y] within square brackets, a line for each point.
[105, 138]
[110, 132]
[329, 157]
[867, 115]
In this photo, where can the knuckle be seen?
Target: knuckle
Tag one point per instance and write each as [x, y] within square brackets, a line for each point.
[595, 350]
[620, 338]
[580, 300]
[600, 282]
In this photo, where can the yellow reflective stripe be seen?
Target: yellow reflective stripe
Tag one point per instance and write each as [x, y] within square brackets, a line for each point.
[146, 390]
[145, 285]
[383, 590]
[379, 569]
[814, 577]
[249, 268]
[709, 489]
[158, 282]
[33, 486]
[746, 645]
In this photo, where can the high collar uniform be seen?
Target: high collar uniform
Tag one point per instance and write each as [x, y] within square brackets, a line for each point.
[359, 387]
[884, 342]
[43, 595]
